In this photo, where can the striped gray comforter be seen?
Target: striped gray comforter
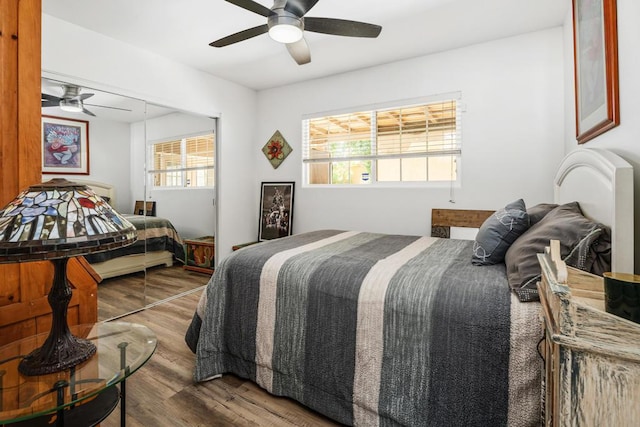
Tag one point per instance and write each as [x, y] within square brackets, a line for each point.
[372, 329]
[154, 234]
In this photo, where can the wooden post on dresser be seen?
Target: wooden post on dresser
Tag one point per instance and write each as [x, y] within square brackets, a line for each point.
[592, 358]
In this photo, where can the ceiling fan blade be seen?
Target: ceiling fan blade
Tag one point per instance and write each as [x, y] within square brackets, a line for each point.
[106, 106]
[341, 27]
[49, 98]
[241, 36]
[84, 110]
[299, 7]
[252, 6]
[83, 96]
[299, 51]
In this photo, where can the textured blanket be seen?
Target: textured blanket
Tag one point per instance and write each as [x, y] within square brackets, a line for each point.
[154, 234]
[373, 329]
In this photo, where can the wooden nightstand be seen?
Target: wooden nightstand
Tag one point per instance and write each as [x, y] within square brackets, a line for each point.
[592, 358]
[242, 245]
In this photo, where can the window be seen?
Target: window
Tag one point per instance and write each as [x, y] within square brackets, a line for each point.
[183, 162]
[414, 143]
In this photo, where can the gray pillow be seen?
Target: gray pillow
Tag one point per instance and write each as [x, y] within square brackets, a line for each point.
[539, 211]
[584, 244]
[498, 232]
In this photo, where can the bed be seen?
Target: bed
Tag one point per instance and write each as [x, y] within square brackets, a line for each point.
[158, 242]
[372, 329]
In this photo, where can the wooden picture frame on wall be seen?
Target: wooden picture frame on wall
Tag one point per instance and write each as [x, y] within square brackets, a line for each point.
[276, 210]
[65, 146]
[595, 47]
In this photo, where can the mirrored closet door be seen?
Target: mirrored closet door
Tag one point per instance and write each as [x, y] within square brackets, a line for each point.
[155, 165]
[180, 184]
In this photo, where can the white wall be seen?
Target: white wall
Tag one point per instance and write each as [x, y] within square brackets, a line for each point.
[109, 145]
[513, 131]
[513, 126]
[90, 59]
[625, 138]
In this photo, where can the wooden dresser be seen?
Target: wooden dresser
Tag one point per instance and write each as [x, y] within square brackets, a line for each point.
[592, 358]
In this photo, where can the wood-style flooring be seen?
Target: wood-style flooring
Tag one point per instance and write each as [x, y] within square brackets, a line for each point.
[163, 393]
[128, 293]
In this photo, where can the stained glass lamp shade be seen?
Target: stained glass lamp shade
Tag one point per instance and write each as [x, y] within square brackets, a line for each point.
[53, 221]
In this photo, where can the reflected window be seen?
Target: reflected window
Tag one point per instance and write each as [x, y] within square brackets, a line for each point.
[187, 161]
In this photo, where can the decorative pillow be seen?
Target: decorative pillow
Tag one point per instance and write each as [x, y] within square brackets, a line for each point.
[593, 252]
[539, 211]
[498, 232]
[584, 244]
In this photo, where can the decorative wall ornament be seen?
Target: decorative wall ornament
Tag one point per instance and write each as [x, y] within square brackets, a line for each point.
[276, 149]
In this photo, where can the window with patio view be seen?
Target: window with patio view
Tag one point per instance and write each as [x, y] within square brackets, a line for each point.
[400, 145]
[183, 162]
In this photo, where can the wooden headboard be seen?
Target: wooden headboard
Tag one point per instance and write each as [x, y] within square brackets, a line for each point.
[443, 219]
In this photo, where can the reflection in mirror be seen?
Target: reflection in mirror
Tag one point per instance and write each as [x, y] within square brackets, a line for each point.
[110, 120]
[179, 151]
[128, 141]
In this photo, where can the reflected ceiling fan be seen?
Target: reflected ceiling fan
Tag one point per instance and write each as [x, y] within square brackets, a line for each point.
[72, 101]
[286, 23]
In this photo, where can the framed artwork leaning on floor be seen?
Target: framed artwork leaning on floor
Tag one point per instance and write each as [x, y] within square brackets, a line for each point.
[276, 210]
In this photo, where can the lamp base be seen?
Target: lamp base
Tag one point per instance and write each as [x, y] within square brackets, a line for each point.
[61, 350]
[61, 354]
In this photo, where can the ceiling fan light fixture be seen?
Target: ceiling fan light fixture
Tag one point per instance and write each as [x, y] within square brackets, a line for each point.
[285, 29]
[71, 105]
[285, 33]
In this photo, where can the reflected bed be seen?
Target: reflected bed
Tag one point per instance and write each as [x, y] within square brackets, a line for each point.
[158, 243]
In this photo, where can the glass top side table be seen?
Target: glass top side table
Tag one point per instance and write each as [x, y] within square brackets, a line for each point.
[122, 348]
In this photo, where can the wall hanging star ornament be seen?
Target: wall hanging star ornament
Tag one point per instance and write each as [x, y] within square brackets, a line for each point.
[276, 149]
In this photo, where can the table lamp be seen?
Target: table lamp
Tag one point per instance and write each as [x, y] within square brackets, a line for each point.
[53, 221]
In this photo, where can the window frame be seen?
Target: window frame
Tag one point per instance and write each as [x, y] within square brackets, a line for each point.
[183, 160]
[374, 108]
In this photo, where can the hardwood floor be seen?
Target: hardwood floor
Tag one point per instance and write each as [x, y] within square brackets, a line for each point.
[124, 294]
[162, 393]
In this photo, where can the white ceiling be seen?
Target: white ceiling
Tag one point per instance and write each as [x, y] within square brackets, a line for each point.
[182, 30]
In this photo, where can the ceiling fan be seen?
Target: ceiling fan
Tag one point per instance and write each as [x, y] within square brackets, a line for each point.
[286, 22]
[72, 100]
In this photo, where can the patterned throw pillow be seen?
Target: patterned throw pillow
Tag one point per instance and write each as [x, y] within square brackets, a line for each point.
[498, 232]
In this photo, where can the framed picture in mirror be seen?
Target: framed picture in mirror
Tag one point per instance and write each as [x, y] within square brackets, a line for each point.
[65, 146]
